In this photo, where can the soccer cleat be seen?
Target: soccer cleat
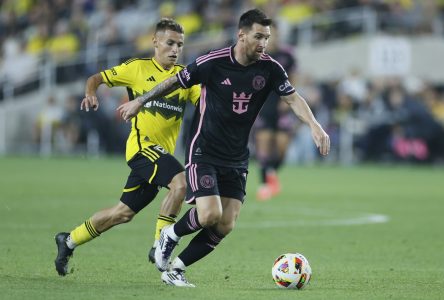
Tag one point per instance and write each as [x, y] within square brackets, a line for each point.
[151, 257]
[176, 277]
[164, 250]
[273, 182]
[264, 193]
[64, 253]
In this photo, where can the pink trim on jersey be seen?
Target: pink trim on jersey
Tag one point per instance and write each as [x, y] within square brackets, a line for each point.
[193, 218]
[219, 50]
[180, 79]
[213, 57]
[202, 107]
[268, 57]
[231, 56]
[191, 200]
[214, 237]
[214, 52]
[203, 57]
[191, 178]
[194, 177]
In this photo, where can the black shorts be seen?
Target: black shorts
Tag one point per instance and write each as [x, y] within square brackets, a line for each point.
[207, 180]
[151, 169]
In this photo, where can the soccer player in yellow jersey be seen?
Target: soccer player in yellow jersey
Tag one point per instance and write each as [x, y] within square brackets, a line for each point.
[150, 144]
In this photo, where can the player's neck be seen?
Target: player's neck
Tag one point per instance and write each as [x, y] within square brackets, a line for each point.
[240, 56]
[166, 67]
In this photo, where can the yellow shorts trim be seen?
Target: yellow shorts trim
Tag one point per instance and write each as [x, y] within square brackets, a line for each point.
[154, 173]
[154, 153]
[148, 155]
[131, 189]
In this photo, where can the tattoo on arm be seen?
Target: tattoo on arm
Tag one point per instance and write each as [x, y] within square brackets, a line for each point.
[162, 89]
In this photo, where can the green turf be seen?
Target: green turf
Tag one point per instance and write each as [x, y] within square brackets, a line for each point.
[316, 214]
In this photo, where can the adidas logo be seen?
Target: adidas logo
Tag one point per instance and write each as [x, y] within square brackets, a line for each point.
[226, 82]
[151, 79]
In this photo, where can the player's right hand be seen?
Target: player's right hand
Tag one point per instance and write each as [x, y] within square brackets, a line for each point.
[90, 101]
[129, 109]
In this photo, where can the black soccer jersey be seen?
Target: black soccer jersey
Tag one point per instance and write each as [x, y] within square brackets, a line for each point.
[270, 110]
[231, 98]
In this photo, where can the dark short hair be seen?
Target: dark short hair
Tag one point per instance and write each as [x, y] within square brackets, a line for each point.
[168, 24]
[254, 16]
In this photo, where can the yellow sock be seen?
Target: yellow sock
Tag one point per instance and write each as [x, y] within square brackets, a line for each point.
[162, 221]
[84, 233]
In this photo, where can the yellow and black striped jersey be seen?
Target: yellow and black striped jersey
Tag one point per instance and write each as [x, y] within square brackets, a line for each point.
[158, 122]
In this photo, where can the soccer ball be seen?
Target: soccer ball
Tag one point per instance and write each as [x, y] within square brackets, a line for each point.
[291, 271]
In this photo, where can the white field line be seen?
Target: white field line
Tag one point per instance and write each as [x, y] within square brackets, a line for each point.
[347, 221]
[359, 219]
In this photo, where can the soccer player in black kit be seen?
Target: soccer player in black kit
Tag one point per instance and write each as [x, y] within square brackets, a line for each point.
[235, 82]
[275, 125]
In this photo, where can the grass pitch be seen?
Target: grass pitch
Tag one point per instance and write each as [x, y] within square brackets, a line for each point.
[369, 233]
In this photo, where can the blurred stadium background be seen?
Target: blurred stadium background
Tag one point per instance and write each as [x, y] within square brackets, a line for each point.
[372, 71]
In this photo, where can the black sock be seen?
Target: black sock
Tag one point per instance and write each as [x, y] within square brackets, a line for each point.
[188, 224]
[263, 175]
[269, 165]
[277, 163]
[200, 246]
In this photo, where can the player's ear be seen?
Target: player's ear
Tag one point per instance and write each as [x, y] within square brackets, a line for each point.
[154, 41]
[241, 35]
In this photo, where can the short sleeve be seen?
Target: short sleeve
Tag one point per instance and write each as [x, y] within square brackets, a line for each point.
[281, 84]
[118, 76]
[197, 72]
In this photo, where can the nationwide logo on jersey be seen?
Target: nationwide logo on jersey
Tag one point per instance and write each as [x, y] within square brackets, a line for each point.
[240, 103]
[167, 108]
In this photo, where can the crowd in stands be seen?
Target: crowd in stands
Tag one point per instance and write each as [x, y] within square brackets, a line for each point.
[398, 119]
[388, 119]
[406, 119]
[32, 30]
[61, 126]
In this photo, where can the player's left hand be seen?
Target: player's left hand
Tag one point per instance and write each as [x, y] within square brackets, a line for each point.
[321, 139]
[129, 110]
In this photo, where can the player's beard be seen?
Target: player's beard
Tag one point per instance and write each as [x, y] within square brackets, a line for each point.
[254, 56]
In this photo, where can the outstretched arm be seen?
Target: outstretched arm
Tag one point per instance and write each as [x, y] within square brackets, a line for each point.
[130, 109]
[303, 111]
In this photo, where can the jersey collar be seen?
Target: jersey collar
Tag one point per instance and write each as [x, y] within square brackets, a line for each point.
[160, 68]
[233, 59]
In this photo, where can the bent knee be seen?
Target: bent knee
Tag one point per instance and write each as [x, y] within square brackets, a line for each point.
[209, 218]
[123, 216]
[179, 191]
[225, 228]
[178, 185]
